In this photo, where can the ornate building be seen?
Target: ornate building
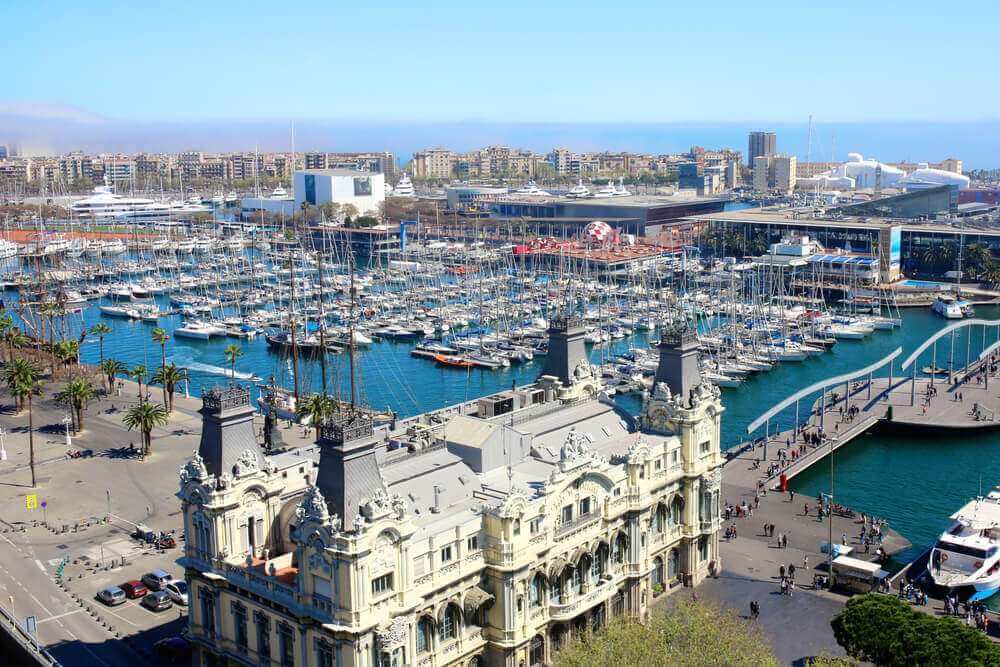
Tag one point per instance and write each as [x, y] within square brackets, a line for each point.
[482, 534]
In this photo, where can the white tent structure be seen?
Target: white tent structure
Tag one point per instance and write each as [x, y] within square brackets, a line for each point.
[925, 177]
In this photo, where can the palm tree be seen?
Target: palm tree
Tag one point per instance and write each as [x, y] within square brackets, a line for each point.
[144, 417]
[6, 323]
[15, 340]
[76, 394]
[138, 373]
[112, 368]
[22, 378]
[233, 352]
[66, 351]
[317, 407]
[161, 337]
[101, 330]
[170, 376]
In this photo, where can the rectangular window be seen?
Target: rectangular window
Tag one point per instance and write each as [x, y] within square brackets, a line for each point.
[535, 526]
[517, 526]
[381, 585]
[567, 514]
[705, 446]
[675, 456]
[324, 654]
[263, 637]
[286, 645]
[240, 625]
[659, 464]
[446, 555]
[585, 507]
[472, 544]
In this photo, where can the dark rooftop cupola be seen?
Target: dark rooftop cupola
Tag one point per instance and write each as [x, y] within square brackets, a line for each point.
[348, 470]
[227, 431]
[678, 367]
[566, 347]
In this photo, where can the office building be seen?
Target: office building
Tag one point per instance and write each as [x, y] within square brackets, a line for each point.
[364, 190]
[774, 172]
[761, 144]
[487, 533]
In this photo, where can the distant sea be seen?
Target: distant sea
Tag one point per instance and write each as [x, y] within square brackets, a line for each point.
[976, 143]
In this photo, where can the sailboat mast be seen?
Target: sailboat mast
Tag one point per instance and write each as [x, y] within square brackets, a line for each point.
[322, 314]
[350, 329]
[292, 325]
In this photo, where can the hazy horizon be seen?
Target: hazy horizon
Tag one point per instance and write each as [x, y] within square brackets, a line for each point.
[975, 142]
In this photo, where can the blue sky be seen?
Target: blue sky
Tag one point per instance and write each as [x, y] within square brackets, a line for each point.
[514, 61]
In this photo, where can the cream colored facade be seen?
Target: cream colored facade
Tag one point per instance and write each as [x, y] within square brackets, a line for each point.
[485, 539]
[436, 163]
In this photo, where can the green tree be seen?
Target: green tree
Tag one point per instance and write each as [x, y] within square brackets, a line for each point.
[317, 407]
[76, 394]
[169, 377]
[6, 324]
[138, 373]
[689, 633]
[112, 368]
[15, 340]
[886, 631]
[66, 351]
[161, 337]
[232, 353]
[21, 376]
[101, 330]
[144, 417]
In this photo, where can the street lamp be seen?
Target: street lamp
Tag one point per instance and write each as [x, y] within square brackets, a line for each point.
[67, 420]
[3, 450]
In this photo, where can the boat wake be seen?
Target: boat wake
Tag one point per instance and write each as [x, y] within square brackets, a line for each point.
[192, 365]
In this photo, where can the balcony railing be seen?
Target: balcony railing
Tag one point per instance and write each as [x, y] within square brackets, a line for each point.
[602, 591]
[577, 523]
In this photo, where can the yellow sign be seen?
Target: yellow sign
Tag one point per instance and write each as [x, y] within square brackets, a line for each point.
[31, 501]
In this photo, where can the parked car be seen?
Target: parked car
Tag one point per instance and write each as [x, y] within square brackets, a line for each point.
[174, 650]
[178, 592]
[134, 589]
[166, 542]
[157, 601]
[111, 596]
[156, 580]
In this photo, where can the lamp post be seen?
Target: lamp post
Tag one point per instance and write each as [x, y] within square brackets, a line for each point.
[66, 422]
[3, 450]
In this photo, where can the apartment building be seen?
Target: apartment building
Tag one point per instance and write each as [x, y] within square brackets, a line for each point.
[486, 533]
[436, 163]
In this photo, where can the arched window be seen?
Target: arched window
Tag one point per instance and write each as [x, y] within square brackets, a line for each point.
[449, 623]
[537, 591]
[476, 662]
[673, 564]
[537, 656]
[424, 630]
[660, 519]
[601, 558]
[657, 574]
[555, 589]
[621, 546]
[577, 578]
[677, 511]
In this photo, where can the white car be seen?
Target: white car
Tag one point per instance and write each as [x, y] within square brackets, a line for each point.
[178, 591]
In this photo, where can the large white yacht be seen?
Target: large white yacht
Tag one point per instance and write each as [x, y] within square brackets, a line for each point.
[579, 191]
[947, 307]
[621, 191]
[966, 558]
[608, 190]
[105, 204]
[531, 190]
[404, 188]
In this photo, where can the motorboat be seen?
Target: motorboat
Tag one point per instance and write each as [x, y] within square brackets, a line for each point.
[104, 204]
[621, 191]
[404, 188]
[947, 307]
[607, 191]
[198, 329]
[530, 190]
[579, 191]
[966, 558]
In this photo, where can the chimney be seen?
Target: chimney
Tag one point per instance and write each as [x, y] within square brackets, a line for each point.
[437, 500]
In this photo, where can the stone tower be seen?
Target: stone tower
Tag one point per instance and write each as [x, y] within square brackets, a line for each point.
[227, 432]
[678, 367]
[348, 470]
[566, 347]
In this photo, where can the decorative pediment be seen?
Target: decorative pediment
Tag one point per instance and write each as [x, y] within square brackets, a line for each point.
[313, 508]
[638, 451]
[575, 450]
[382, 504]
[194, 469]
[246, 463]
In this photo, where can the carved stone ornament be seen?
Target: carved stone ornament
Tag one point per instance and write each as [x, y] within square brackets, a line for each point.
[313, 507]
[513, 505]
[661, 391]
[381, 504]
[194, 469]
[583, 370]
[638, 451]
[245, 464]
[394, 634]
[359, 523]
[575, 450]
[224, 481]
[713, 479]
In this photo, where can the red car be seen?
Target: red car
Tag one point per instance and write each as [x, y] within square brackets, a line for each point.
[134, 589]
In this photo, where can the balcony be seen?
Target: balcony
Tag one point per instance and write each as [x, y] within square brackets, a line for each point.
[579, 523]
[601, 592]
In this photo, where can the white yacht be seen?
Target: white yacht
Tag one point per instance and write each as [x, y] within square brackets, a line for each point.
[966, 557]
[103, 204]
[579, 191]
[947, 307]
[607, 191]
[280, 193]
[404, 188]
[620, 191]
[531, 190]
